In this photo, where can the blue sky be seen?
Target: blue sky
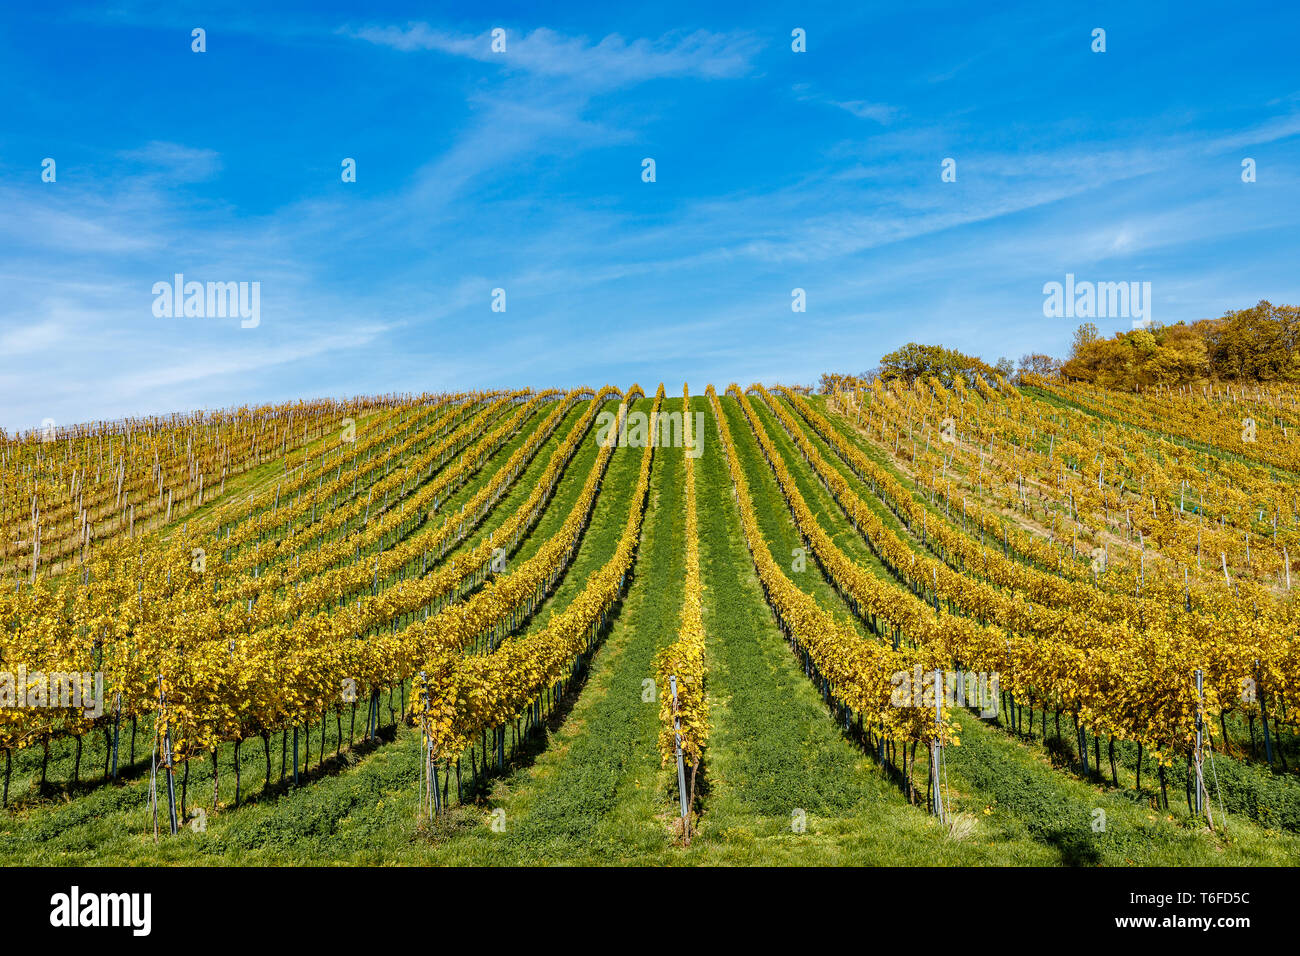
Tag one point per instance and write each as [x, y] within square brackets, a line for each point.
[477, 170]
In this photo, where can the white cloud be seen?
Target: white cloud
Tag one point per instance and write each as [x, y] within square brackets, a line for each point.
[30, 339]
[881, 113]
[186, 367]
[611, 62]
[176, 162]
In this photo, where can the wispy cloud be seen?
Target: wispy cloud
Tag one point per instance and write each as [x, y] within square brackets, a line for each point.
[521, 170]
[610, 62]
[175, 161]
[881, 113]
[29, 339]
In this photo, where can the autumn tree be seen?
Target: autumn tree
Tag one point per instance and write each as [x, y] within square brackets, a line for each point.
[1257, 344]
[914, 361]
[836, 381]
[1037, 363]
[1260, 344]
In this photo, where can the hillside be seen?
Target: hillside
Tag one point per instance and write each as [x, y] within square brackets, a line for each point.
[440, 629]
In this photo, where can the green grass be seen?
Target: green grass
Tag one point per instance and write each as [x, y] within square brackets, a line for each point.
[589, 787]
[1244, 786]
[27, 763]
[1213, 451]
[1023, 794]
[278, 825]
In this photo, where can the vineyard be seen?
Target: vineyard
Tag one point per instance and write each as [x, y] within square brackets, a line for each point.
[974, 624]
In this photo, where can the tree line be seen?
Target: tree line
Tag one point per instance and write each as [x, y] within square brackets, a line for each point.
[1259, 344]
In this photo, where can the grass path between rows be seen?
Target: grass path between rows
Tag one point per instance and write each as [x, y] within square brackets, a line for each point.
[1243, 784]
[780, 784]
[106, 824]
[596, 793]
[26, 762]
[1009, 786]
